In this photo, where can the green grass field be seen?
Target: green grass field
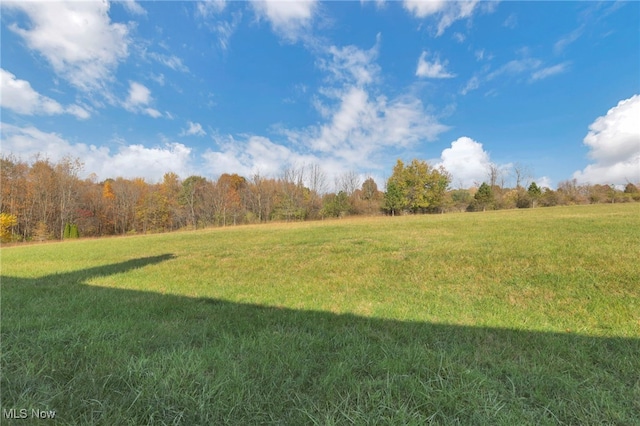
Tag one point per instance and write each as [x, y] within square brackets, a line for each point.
[508, 317]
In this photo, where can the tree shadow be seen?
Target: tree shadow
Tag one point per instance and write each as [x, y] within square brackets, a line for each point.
[100, 355]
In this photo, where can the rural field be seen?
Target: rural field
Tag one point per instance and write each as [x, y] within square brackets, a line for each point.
[509, 317]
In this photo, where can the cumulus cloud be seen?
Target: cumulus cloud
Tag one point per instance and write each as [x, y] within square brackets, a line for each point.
[614, 146]
[288, 18]
[128, 161]
[193, 129]
[434, 69]
[447, 12]
[77, 38]
[467, 161]
[19, 96]
[139, 99]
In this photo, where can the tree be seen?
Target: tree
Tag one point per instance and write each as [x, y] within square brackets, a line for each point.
[534, 193]
[370, 195]
[460, 199]
[484, 196]
[192, 197]
[632, 192]
[227, 197]
[422, 186]
[493, 174]
[66, 175]
[630, 189]
[394, 200]
[170, 190]
[336, 205]
[7, 222]
[522, 174]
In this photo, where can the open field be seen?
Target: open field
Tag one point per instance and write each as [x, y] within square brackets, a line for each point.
[509, 317]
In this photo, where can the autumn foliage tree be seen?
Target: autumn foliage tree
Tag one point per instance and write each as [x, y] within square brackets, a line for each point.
[417, 187]
[44, 199]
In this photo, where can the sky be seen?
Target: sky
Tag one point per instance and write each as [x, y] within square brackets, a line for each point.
[138, 89]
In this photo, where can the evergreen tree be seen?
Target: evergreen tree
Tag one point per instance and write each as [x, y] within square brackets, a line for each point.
[534, 192]
[73, 231]
[394, 199]
[484, 196]
[67, 231]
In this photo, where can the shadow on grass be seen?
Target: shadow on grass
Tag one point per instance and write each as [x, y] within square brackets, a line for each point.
[111, 356]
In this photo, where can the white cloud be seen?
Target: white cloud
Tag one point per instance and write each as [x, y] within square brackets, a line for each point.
[360, 129]
[78, 111]
[225, 30]
[152, 112]
[511, 22]
[549, 71]
[447, 11]
[422, 9]
[544, 182]
[138, 94]
[467, 162]
[209, 8]
[614, 146]
[171, 61]
[77, 38]
[289, 18]
[139, 99]
[360, 134]
[568, 39]
[472, 84]
[133, 7]
[194, 129]
[254, 154]
[459, 37]
[19, 96]
[351, 65]
[434, 69]
[128, 161]
[208, 11]
[515, 67]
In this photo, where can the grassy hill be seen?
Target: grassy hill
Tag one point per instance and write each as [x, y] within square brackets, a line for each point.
[508, 317]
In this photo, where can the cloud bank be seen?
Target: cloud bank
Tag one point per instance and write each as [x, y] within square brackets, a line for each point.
[614, 146]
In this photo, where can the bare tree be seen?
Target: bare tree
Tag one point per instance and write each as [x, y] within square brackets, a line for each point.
[348, 182]
[522, 174]
[493, 173]
[317, 179]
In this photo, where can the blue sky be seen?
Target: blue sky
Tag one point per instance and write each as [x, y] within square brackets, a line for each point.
[137, 89]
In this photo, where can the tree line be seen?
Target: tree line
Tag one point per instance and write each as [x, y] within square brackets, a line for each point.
[45, 200]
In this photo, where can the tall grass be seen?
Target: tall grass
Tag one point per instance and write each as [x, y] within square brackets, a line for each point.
[510, 317]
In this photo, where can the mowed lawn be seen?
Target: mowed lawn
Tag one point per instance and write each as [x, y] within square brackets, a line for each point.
[508, 317]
